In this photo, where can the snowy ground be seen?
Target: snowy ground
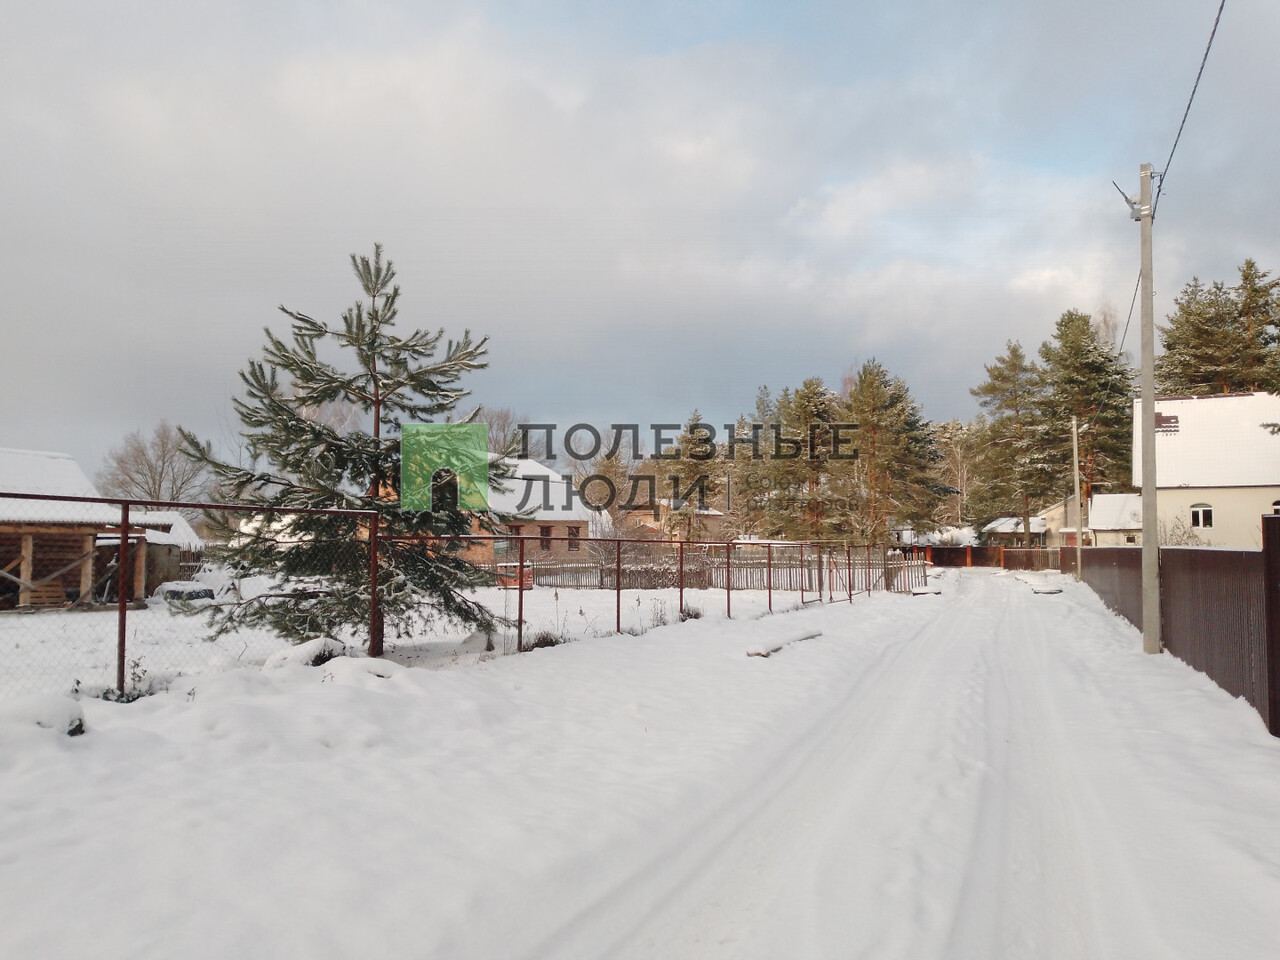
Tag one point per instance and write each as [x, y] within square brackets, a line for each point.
[985, 773]
[56, 651]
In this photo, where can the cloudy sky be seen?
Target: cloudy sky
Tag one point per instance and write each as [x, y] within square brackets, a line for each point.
[648, 207]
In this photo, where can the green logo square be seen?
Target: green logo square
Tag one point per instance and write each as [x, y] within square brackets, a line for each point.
[427, 449]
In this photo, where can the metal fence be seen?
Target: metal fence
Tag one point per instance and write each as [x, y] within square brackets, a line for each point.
[594, 587]
[97, 597]
[1010, 558]
[1219, 610]
[100, 596]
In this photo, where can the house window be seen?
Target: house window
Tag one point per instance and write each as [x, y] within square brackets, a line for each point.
[1275, 507]
[545, 534]
[1201, 515]
[574, 533]
[1130, 538]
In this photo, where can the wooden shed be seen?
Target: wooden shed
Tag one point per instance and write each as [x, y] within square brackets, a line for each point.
[47, 546]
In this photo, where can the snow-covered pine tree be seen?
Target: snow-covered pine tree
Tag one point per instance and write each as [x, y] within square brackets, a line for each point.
[799, 477]
[1084, 378]
[320, 562]
[696, 467]
[1012, 456]
[960, 445]
[896, 478]
[1220, 339]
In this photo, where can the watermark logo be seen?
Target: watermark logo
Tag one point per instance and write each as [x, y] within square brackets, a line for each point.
[438, 455]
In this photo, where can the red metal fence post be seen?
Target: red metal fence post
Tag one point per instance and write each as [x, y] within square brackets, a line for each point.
[122, 616]
[728, 581]
[768, 572]
[617, 577]
[520, 600]
[375, 611]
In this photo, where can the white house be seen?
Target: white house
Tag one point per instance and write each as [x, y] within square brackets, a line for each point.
[1115, 519]
[1217, 466]
[1010, 531]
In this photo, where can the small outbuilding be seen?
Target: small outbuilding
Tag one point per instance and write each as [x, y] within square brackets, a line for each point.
[47, 546]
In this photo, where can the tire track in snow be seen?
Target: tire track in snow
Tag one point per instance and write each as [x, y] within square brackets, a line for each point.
[1034, 886]
[834, 848]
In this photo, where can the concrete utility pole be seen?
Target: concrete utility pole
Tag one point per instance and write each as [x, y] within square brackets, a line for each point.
[1075, 473]
[1151, 642]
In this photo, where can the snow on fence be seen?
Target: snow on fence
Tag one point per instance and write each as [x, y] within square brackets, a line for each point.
[99, 596]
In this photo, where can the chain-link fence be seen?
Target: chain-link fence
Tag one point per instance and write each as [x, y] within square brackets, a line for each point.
[116, 598]
[550, 590]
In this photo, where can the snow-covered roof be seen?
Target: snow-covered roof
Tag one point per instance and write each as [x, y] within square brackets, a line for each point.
[704, 511]
[544, 485]
[1212, 441]
[1115, 511]
[39, 471]
[1014, 525]
[169, 528]
[946, 536]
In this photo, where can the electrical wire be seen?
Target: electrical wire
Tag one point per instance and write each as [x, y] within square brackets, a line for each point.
[1155, 204]
[1185, 113]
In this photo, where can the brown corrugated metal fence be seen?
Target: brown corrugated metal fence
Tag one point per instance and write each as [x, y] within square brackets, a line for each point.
[1215, 609]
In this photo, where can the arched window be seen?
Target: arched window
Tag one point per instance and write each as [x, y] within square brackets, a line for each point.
[1201, 515]
[1275, 507]
[444, 490]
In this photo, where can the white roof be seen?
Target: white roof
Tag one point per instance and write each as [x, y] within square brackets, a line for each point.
[1212, 441]
[168, 527]
[1115, 511]
[544, 485]
[38, 471]
[1014, 525]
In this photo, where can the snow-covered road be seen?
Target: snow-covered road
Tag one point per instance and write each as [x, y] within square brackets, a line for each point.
[985, 773]
[978, 792]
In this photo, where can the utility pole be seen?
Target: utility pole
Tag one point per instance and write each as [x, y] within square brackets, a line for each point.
[1075, 472]
[1151, 641]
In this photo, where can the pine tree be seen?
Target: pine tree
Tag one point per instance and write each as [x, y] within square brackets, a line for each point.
[797, 462]
[1085, 379]
[1011, 455]
[747, 471]
[959, 445]
[696, 473]
[1257, 312]
[895, 480]
[1220, 339]
[321, 561]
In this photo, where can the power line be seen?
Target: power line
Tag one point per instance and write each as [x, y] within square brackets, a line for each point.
[1155, 204]
[1194, 87]
[1132, 300]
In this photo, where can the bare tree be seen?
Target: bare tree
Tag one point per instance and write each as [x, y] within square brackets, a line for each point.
[152, 468]
[504, 432]
[1106, 323]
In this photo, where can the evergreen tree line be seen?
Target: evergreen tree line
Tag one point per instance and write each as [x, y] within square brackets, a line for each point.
[321, 433]
[1015, 459]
